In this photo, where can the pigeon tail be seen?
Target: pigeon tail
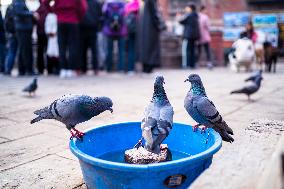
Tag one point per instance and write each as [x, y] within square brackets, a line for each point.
[238, 91]
[225, 131]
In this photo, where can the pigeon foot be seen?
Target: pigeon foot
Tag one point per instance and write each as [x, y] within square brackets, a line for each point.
[195, 127]
[78, 133]
[138, 144]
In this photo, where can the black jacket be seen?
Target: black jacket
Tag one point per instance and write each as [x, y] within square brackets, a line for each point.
[2, 32]
[191, 26]
[23, 17]
[93, 15]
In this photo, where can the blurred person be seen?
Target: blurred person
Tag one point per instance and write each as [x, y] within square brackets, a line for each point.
[205, 38]
[69, 13]
[150, 27]
[89, 26]
[2, 44]
[23, 19]
[114, 29]
[131, 19]
[249, 32]
[52, 52]
[9, 25]
[40, 15]
[191, 33]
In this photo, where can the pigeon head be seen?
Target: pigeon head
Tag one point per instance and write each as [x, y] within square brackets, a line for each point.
[196, 84]
[159, 94]
[159, 80]
[105, 103]
[193, 78]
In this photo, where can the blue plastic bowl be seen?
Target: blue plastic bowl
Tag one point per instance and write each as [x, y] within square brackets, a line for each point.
[180, 173]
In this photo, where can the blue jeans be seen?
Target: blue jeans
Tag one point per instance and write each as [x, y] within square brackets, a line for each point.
[11, 54]
[131, 52]
[121, 53]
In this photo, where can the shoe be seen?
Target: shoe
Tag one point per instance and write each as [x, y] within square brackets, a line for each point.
[63, 73]
[71, 73]
[130, 73]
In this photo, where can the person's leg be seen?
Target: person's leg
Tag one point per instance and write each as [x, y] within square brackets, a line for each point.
[131, 52]
[41, 44]
[191, 54]
[109, 54]
[121, 54]
[2, 57]
[199, 52]
[28, 52]
[83, 49]
[11, 54]
[93, 40]
[73, 47]
[49, 65]
[62, 44]
[184, 53]
[207, 51]
[21, 65]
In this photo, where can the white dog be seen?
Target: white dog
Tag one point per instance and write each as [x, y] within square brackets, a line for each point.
[243, 55]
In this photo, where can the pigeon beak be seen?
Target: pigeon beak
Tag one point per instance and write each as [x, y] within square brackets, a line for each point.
[111, 110]
[186, 80]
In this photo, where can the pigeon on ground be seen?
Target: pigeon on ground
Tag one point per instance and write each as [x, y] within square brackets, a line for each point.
[254, 76]
[251, 88]
[74, 109]
[31, 88]
[202, 109]
[158, 118]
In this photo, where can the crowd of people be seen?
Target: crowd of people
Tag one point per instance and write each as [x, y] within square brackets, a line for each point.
[68, 30]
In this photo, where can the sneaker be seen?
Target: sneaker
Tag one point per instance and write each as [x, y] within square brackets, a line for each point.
[72, 73]
[63, 73]
[130, 73]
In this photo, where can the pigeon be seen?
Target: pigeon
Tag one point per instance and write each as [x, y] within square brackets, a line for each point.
[251, 88]
[254, 76]
[74, 109]
[158, 118]
[203, 111]
[31, 88]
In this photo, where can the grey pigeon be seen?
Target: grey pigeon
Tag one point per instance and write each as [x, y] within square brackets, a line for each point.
[74, 109]
[251, 88]
[32, 87]
[202, 109]
[158, 118]
[254, 76]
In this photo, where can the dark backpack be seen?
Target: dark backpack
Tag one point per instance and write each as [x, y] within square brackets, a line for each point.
[9, 23]
[115, 12]
[131, 22]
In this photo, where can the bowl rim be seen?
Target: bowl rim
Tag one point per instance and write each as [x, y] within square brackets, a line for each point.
[158, 166]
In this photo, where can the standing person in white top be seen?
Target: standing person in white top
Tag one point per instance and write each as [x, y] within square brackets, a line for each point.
[205, 38]
[50, 28]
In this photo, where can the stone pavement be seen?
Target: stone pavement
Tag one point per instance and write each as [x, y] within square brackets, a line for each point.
[37, 156]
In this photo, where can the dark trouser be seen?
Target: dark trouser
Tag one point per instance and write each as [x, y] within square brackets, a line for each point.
[52, 65]
[68, 41]
[88, 38]
[121, 53]
[191, 53]
[2, 56]
[207, 51]
[41, 48]
[131, 52]
[147, 68]
[11, 53]
[24, 38]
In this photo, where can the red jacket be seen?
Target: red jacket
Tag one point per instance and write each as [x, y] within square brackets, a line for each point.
[69, 11]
